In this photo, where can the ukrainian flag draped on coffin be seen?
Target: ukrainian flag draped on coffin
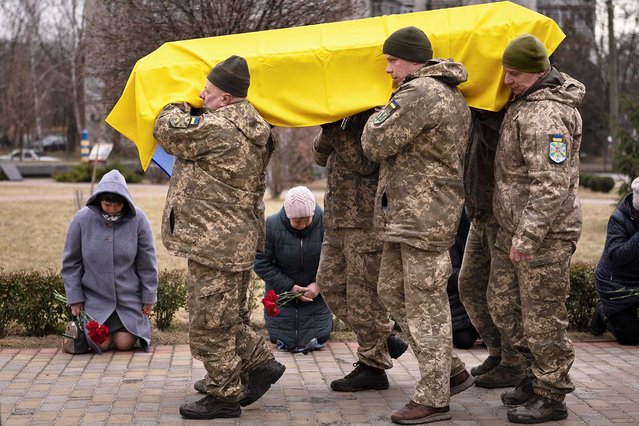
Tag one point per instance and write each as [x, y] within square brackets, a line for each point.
[310, 75]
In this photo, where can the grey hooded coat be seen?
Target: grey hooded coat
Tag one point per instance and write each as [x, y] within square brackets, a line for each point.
[111, 266]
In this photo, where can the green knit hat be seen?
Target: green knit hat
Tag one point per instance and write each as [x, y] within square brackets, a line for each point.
[232, 76]
[526, 54]
[409, 43]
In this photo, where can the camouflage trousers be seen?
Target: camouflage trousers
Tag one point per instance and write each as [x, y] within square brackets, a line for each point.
[347, 276]
[412, 285]
[217, 336]
[532, 312]
[245, 312]
[474, 278]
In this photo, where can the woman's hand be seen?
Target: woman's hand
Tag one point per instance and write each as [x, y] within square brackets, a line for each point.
[310, 292]
[147, 309]
[76, 309]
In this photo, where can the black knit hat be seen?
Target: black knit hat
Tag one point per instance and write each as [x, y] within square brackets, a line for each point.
[409, 43]
[526, 54]
[232, 76]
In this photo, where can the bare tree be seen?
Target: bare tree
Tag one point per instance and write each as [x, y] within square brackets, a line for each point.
[122, 31]
[21, 97]
[618, 53]
[292, 162]
[68, 35]
[38, 95]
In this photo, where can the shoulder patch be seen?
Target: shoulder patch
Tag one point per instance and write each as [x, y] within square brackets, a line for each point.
[385, 112]
[557, 151]
[182, 122]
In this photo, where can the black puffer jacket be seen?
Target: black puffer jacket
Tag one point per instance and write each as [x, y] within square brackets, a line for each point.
[617, 273]
[292, 257]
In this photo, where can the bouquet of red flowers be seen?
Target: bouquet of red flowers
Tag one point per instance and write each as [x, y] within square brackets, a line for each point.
[95, 332]
[273, 301]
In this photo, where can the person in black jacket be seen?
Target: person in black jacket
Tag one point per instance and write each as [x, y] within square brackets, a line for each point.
[464, 333]
[617, 274]
[289, 263]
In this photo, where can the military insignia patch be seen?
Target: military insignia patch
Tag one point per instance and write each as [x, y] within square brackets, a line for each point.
[557, 149]
[182, 122]
[385, 112]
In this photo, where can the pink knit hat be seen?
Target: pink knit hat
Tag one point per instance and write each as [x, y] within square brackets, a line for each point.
[635, 193]
[299, 202]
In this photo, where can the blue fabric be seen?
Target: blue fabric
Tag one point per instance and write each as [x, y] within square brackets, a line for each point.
[617, 272]
[164, 160]
[292, 257]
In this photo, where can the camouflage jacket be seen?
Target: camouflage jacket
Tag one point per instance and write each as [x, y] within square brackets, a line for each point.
[420, 138]
[537, 165]
[352, 178]
[213, 207]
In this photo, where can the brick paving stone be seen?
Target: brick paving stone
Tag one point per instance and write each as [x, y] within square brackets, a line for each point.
[46, 386]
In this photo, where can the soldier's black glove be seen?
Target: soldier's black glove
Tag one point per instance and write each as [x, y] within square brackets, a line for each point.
[355, 123]
[329, 126]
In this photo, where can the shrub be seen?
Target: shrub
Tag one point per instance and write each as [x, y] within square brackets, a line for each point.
[76, 174]
[583, 295]
[601, 183]
[626, 155]
[84, 172]
[624, 189]
[35, 307]
[8, 300]
[26, 299]
[584, 180]
[172, 294]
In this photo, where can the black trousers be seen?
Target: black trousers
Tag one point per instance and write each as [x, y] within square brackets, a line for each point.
[624, 326]
[465, 338]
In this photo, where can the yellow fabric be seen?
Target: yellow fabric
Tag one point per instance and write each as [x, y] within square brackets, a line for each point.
[310, 75]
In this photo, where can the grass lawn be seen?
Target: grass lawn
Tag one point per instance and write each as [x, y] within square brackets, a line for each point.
[35, 214]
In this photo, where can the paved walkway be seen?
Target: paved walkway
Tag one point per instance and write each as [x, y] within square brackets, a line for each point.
[47, 387]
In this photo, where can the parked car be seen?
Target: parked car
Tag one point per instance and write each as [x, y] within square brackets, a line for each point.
[54, 142]
[27, 155]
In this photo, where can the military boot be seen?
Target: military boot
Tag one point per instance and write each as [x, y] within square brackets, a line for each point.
[200, 385]
[260, 381]
[460, 382]
[396, 346]
[414, 413]
[539, 410]
[363, 377]
[501, 377]
[489, 364]
[522, 394]
[210, 407]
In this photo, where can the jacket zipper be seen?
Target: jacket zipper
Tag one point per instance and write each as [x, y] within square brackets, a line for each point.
[297, 303]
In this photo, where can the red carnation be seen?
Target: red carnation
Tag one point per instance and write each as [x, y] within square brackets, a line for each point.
[97, 332]
[272, 301]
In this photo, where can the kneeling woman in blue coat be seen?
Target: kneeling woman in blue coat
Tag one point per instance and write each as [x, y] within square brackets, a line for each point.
[289, 263]
[109, 267]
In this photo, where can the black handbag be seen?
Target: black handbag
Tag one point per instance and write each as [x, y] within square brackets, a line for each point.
[74, 341]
